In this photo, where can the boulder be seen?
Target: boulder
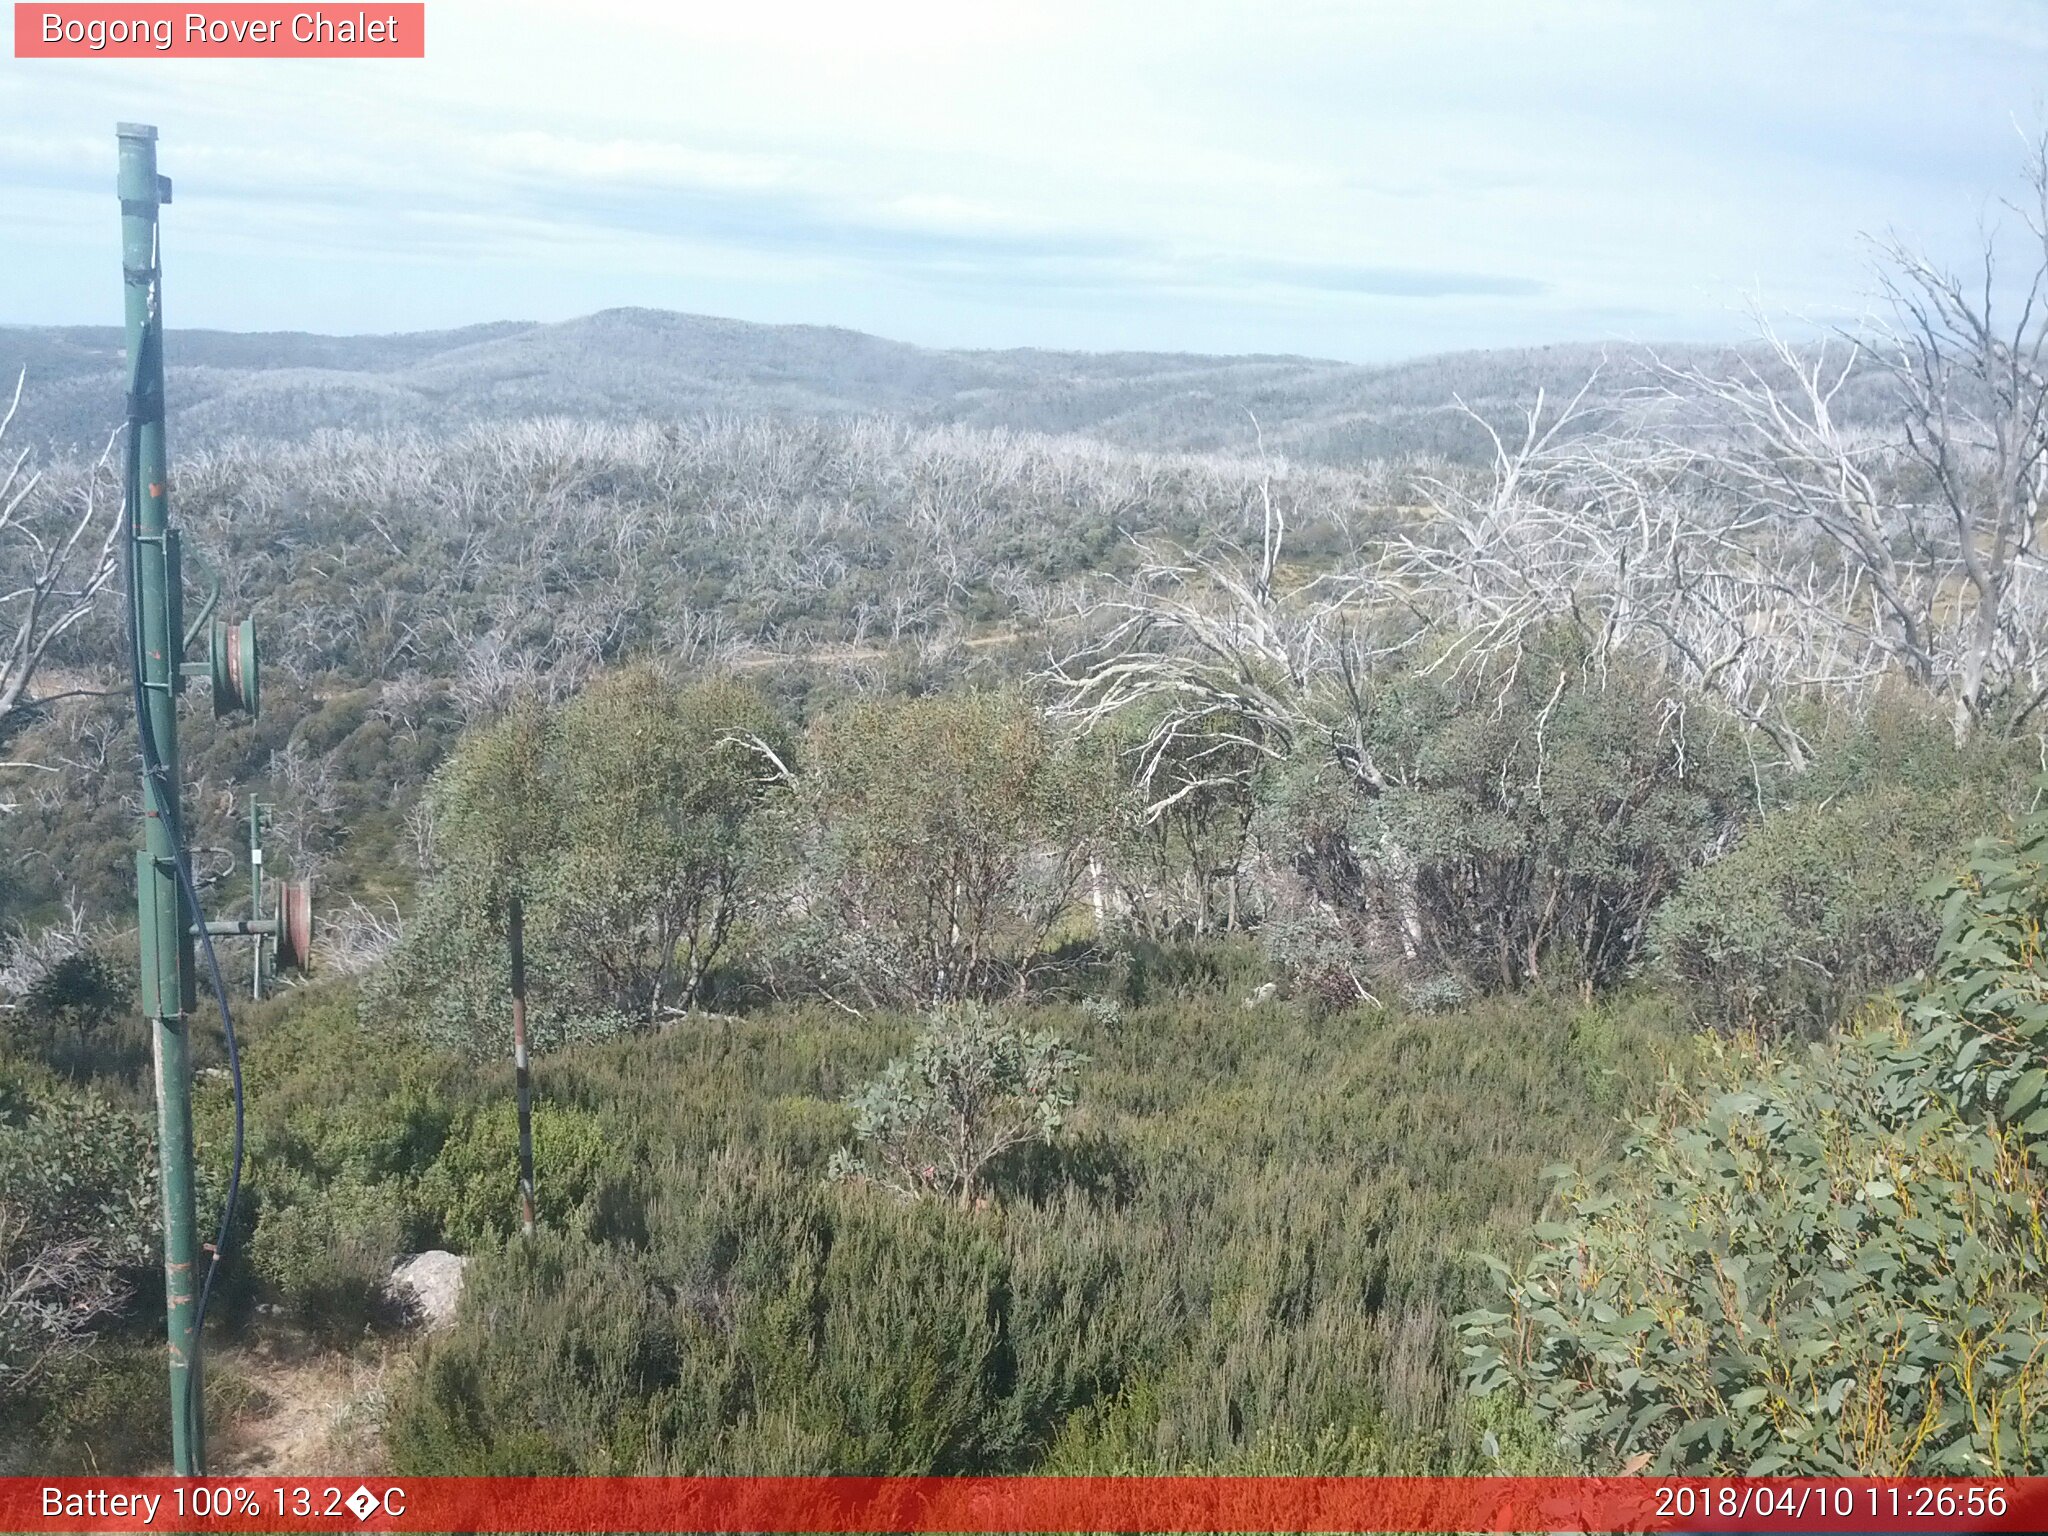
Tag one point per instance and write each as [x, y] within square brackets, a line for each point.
[429, 1285]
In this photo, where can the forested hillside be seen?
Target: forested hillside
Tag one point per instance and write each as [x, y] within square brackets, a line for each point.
[623, 363]
[1058, 951]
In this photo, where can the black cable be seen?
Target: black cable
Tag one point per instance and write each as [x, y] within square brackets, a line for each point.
[155, 769]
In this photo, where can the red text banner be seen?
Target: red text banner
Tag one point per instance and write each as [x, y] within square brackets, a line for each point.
[1019, 1504]
[229, 31]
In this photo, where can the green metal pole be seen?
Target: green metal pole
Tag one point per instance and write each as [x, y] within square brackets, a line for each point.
[522, 1077]
[167, 972]
[256, 892]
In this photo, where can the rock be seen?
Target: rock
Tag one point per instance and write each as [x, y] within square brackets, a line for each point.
[429, 1285]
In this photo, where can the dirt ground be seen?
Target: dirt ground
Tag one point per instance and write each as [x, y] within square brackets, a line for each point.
[287, 1408]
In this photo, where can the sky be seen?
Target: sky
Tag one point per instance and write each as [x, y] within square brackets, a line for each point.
[1357, 179]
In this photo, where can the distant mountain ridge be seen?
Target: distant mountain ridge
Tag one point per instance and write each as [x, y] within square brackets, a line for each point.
[626, 363]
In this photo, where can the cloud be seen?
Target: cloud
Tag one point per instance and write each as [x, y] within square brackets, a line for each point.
[651, 163]
[1193, 174]
[1385, 282]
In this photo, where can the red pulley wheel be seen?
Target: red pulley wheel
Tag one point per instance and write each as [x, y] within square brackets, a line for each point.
[295, 924]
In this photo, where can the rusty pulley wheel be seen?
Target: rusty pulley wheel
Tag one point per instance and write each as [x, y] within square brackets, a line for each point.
[233, 662]
[294, 900]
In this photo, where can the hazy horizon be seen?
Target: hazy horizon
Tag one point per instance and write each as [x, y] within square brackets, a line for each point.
[1362, 184]
[113, 328]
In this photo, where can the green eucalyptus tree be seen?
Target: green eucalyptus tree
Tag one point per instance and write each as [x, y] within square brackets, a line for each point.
[940, 843]
[1820, 1261]
[497, 833]
[659, 786]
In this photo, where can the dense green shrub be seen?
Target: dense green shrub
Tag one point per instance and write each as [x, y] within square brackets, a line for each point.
[1816, 908]
[471, 1191]
[78, 1238]
[1827, 1261]
[1503, 829]
[92, 1413]
[1815, 1267]
[344, 1116]
[1818, 902]
[1244, 1261]
[68, 1002]
[327, 1252]
[332, 1094]
[78, 1209]
[1154, 971]
[973, 1089]
[74, 1163]
[1903, 741]
[87, 985]
[1983, 1007]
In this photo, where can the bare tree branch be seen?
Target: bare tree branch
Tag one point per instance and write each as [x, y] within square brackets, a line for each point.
[58, 541]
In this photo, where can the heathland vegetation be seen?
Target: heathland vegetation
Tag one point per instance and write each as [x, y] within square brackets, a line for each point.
[1051, 955]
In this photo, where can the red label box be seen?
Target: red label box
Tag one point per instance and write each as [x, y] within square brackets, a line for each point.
[1139, 1506]
[376, 30]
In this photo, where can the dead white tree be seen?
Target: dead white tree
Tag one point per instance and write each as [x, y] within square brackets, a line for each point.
[1590, 518]
[356, 938]
[1613, 529]
[57, 555]
[1223, 668]
[1934, 517]
[1226, 669]
[26, 959]
[1779, 446]
[1971, 362]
